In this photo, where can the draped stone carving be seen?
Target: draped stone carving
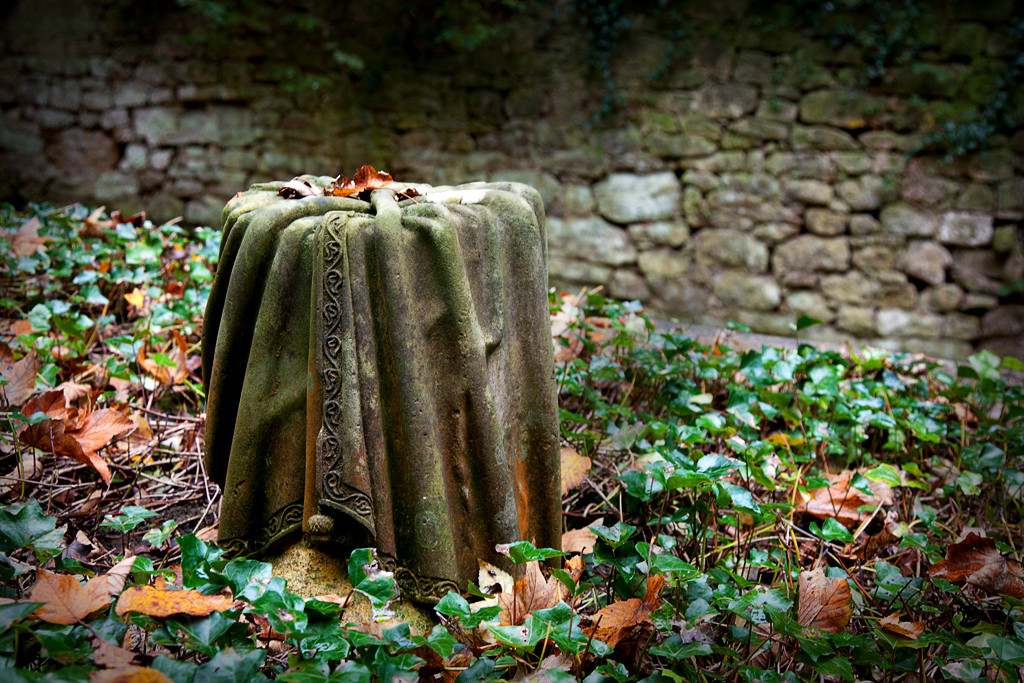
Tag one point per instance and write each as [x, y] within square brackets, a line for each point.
[381, 373]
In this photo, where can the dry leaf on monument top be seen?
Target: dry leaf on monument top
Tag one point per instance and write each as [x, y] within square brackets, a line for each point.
[841, 500]
[20, 375]
[977, 561]
[574, 469]
[616, 622]
[366, 178]
[156, 602]
[297, 188]
[907, 629]
[532, 592]
[825, 604]
[68, 602]
[128, 674]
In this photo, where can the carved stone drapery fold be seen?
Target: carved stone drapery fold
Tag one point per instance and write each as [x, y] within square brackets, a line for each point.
[387, 367]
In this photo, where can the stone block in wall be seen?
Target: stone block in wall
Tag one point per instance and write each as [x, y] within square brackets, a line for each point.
[812, 253]
[741, 289]
[705, 180]
[816, 165]
[853, 163]
[117, 188]
[866, 193]
[942, 298]
[753, 66]
[661, 264]
[661, 233]
[976, 198]
[961, 326]
[128, 94]
[809, 303]
[1010, 199]
[807, 191]
[764, 322]
[864, 224]
[693, 207]
[627, 285]
[86, 153]
[822, 138]
[903, 219]
[679, 145]
[567, 272]
[20, 137]
[926, 79]
[851, 287]
[874, 257]
[858, 320]
[1003, 321]
[925, 260]
[773, 233]
[727, 100]
[730, 248]
[51, 119]
[991, 166]
[825, 222]
[156, 125]
[841, 108]
[966, 229]
[774, 109]
[545, 183]
[574, 200]
[726, 208]
[927, 189]
[896, 322]
[591, 239]
[895, 290]
[760, 129]
[627, 198]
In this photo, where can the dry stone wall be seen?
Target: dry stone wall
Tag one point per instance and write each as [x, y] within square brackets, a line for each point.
[754, 182]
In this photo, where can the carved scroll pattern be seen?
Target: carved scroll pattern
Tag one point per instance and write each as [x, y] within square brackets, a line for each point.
[329, 447]
[282, 523]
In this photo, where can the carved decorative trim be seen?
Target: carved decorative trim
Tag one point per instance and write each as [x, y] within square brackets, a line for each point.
[285, 521]
[424, 589]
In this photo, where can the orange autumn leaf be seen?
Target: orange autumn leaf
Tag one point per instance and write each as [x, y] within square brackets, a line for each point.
[20, 375]
[907, 629]
[136, 297]
[579, 541]
[616, 622]
[825, 604]
[28, 241]
[165, 374]
[68, 602]
[366, 178]
[128, 674]
[841, 500]
[155, 602]
[574, 469]
[532, 592]
[976, 561]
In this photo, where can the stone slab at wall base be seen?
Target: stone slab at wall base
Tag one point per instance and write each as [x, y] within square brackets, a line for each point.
[311, 572]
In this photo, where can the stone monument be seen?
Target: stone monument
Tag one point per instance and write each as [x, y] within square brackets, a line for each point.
[380, 373]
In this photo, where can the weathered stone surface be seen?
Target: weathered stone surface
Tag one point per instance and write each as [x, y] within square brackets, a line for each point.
[1007, 238]
[590, 239]
[87, 154]
[679, 145]
[895, 322]
[727, 208]
[976, 198]
[896, 290]
[926, 261]
[576, 200]
[858, 320]
[156, 125]
[853, 163]
[811, 304]
[961, 326]
[808, 191]
[719, 163]
[920, 188]
[875, 257]
[776, 110]
[731, 249]
[904, 219]
[662, 263]
[753, 66]
[966, 229]
[569, 272]
[1004, 321]
[741, 289]
[628, 198]
[1010, 199]
[825, 222]
[853, 287]
[864, 194]
[823, 138]
[665, 233]
[840, 108]
[761, 128]
[203, 211]
[942, 298]
[991, 165]
[773, 233]
[975, 302]
[801, 165]
[812, 253]
[627, 285]
[863, 224]
[727, 100]
[545, 183]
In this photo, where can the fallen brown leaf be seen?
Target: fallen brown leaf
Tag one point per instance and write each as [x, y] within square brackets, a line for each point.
[907, 629]
[128, 674]
[163, 373]
[825, 604]
[297, 188]
[163, 603]
[616, 622]
[111, 656]
[976, 561]
[841, 500]
[67, 601]
[20, 375]
[28, 241]
[366, 178]
[574, 469]
[532, 592]
[579, 541]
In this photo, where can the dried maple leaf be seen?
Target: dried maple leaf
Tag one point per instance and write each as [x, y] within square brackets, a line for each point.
[825, 604]
[297, 188]
[574, 469]
[155, 602]
[137, 298]
[977, 561]
[841, 500]
[365, 180]
[580, 540]
[110, 656]
[907, 629]
[28, 241]
[67, 601]
[532, 592]
[128, 674]
[617, 622]
[165, 374]
[20, 375]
